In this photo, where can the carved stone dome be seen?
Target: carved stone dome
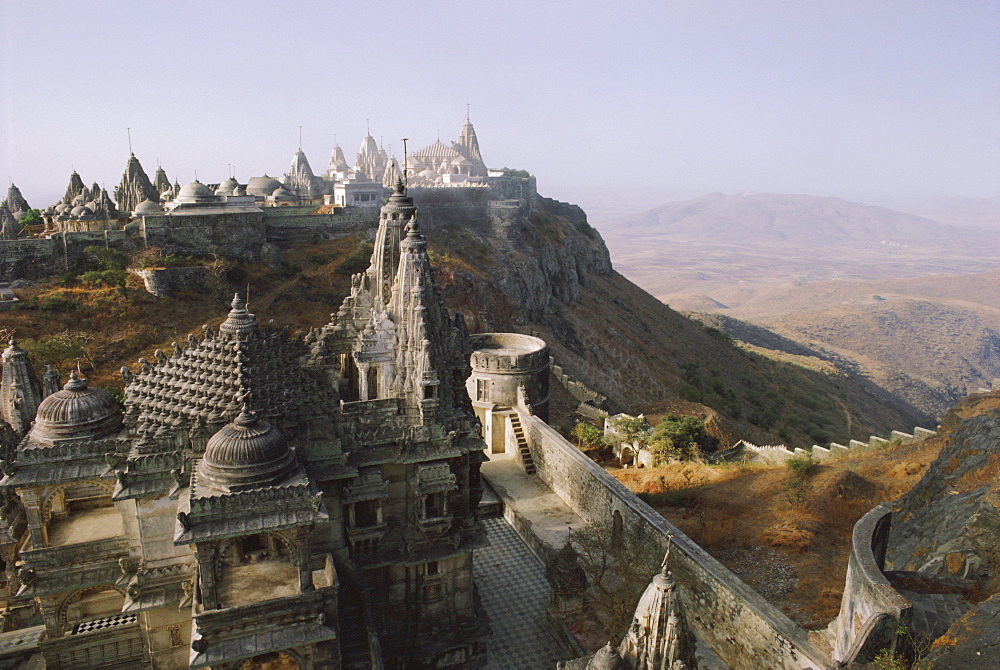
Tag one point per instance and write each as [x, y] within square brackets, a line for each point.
[77, 411]
[226, 187]
[80, 211]
[148, 207]
[195, 192]
[247, 453]
[261, 186]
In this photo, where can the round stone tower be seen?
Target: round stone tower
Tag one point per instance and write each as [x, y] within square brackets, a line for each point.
[509, 370]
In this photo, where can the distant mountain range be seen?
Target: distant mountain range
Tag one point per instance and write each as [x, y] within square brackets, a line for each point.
[799, 220]
[907, 302]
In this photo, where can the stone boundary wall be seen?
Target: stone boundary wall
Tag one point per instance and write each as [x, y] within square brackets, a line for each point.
[35, 257]
[871, 610]
[579, 390]
[745, 630]
[238, 234]
[28, 258]
[286, 230]
[779, 453]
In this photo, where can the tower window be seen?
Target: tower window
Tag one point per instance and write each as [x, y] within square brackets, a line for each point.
[435, 505]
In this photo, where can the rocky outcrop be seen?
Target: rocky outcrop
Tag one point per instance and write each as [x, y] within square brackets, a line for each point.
[546, 256]
[948, 523]
[972, 642]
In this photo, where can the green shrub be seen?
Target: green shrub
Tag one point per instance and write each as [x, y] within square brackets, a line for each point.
[801, 466]
[108, 259]
[683, 437]
[587, 435]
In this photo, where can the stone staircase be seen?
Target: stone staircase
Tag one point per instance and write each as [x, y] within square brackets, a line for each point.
[522, 444]
[353, 637]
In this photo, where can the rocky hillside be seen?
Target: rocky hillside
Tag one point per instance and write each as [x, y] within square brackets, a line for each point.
[553, 277]
[547, 272]
[929, 340]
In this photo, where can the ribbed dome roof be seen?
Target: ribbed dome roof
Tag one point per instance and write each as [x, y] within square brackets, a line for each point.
[247, 453]
[81, 211]
[262, 185]
[77, 411]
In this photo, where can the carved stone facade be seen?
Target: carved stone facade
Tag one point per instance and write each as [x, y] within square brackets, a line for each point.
[300, 501]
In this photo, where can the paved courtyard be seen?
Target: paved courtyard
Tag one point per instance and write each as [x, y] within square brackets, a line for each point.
[515, 592]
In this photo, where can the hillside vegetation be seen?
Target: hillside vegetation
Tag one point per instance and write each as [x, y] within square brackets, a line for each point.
[551, 276]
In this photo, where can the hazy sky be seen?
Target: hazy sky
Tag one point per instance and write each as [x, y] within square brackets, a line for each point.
[875, 101]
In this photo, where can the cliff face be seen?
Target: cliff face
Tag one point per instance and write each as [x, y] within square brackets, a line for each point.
[541, 267]
[545, 261]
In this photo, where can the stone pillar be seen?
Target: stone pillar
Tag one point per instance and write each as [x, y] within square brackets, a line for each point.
[206, 575]
[48, 607]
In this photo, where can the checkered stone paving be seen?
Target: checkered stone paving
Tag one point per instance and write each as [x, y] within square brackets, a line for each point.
[514, 592]
[105, 622]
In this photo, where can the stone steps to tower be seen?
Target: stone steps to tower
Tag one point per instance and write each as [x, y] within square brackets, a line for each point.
[522, 444]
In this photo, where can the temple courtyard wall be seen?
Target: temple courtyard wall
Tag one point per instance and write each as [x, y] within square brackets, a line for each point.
[744, 629]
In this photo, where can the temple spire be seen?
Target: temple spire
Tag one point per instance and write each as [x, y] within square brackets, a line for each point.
[659, 637]
[20, 391]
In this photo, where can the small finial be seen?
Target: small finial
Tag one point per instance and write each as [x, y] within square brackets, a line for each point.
[666, 557]
[129, 131]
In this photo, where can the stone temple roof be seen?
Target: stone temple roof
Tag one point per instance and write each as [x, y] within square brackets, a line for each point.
[247, 453]
[77, 411]
[203, 381]
[437, 151]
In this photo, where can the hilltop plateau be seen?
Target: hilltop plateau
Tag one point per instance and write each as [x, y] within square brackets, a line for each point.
[549, 274]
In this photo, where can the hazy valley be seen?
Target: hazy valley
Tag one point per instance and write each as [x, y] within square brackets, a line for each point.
[909, 303]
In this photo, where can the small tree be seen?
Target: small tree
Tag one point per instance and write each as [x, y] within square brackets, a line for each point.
[683, 437]
[618, 572]
[60, 350]
[587, 435]
[631, 429]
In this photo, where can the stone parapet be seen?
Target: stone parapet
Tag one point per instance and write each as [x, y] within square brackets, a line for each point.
[871, 611]
[744, 629]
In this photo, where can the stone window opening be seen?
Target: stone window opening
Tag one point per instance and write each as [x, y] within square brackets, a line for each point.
[435, 505]
[429, 392]
[349, 373]
[616, 526]
[372, 379]
[482, 390]
[364, 514]
[433, 567]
